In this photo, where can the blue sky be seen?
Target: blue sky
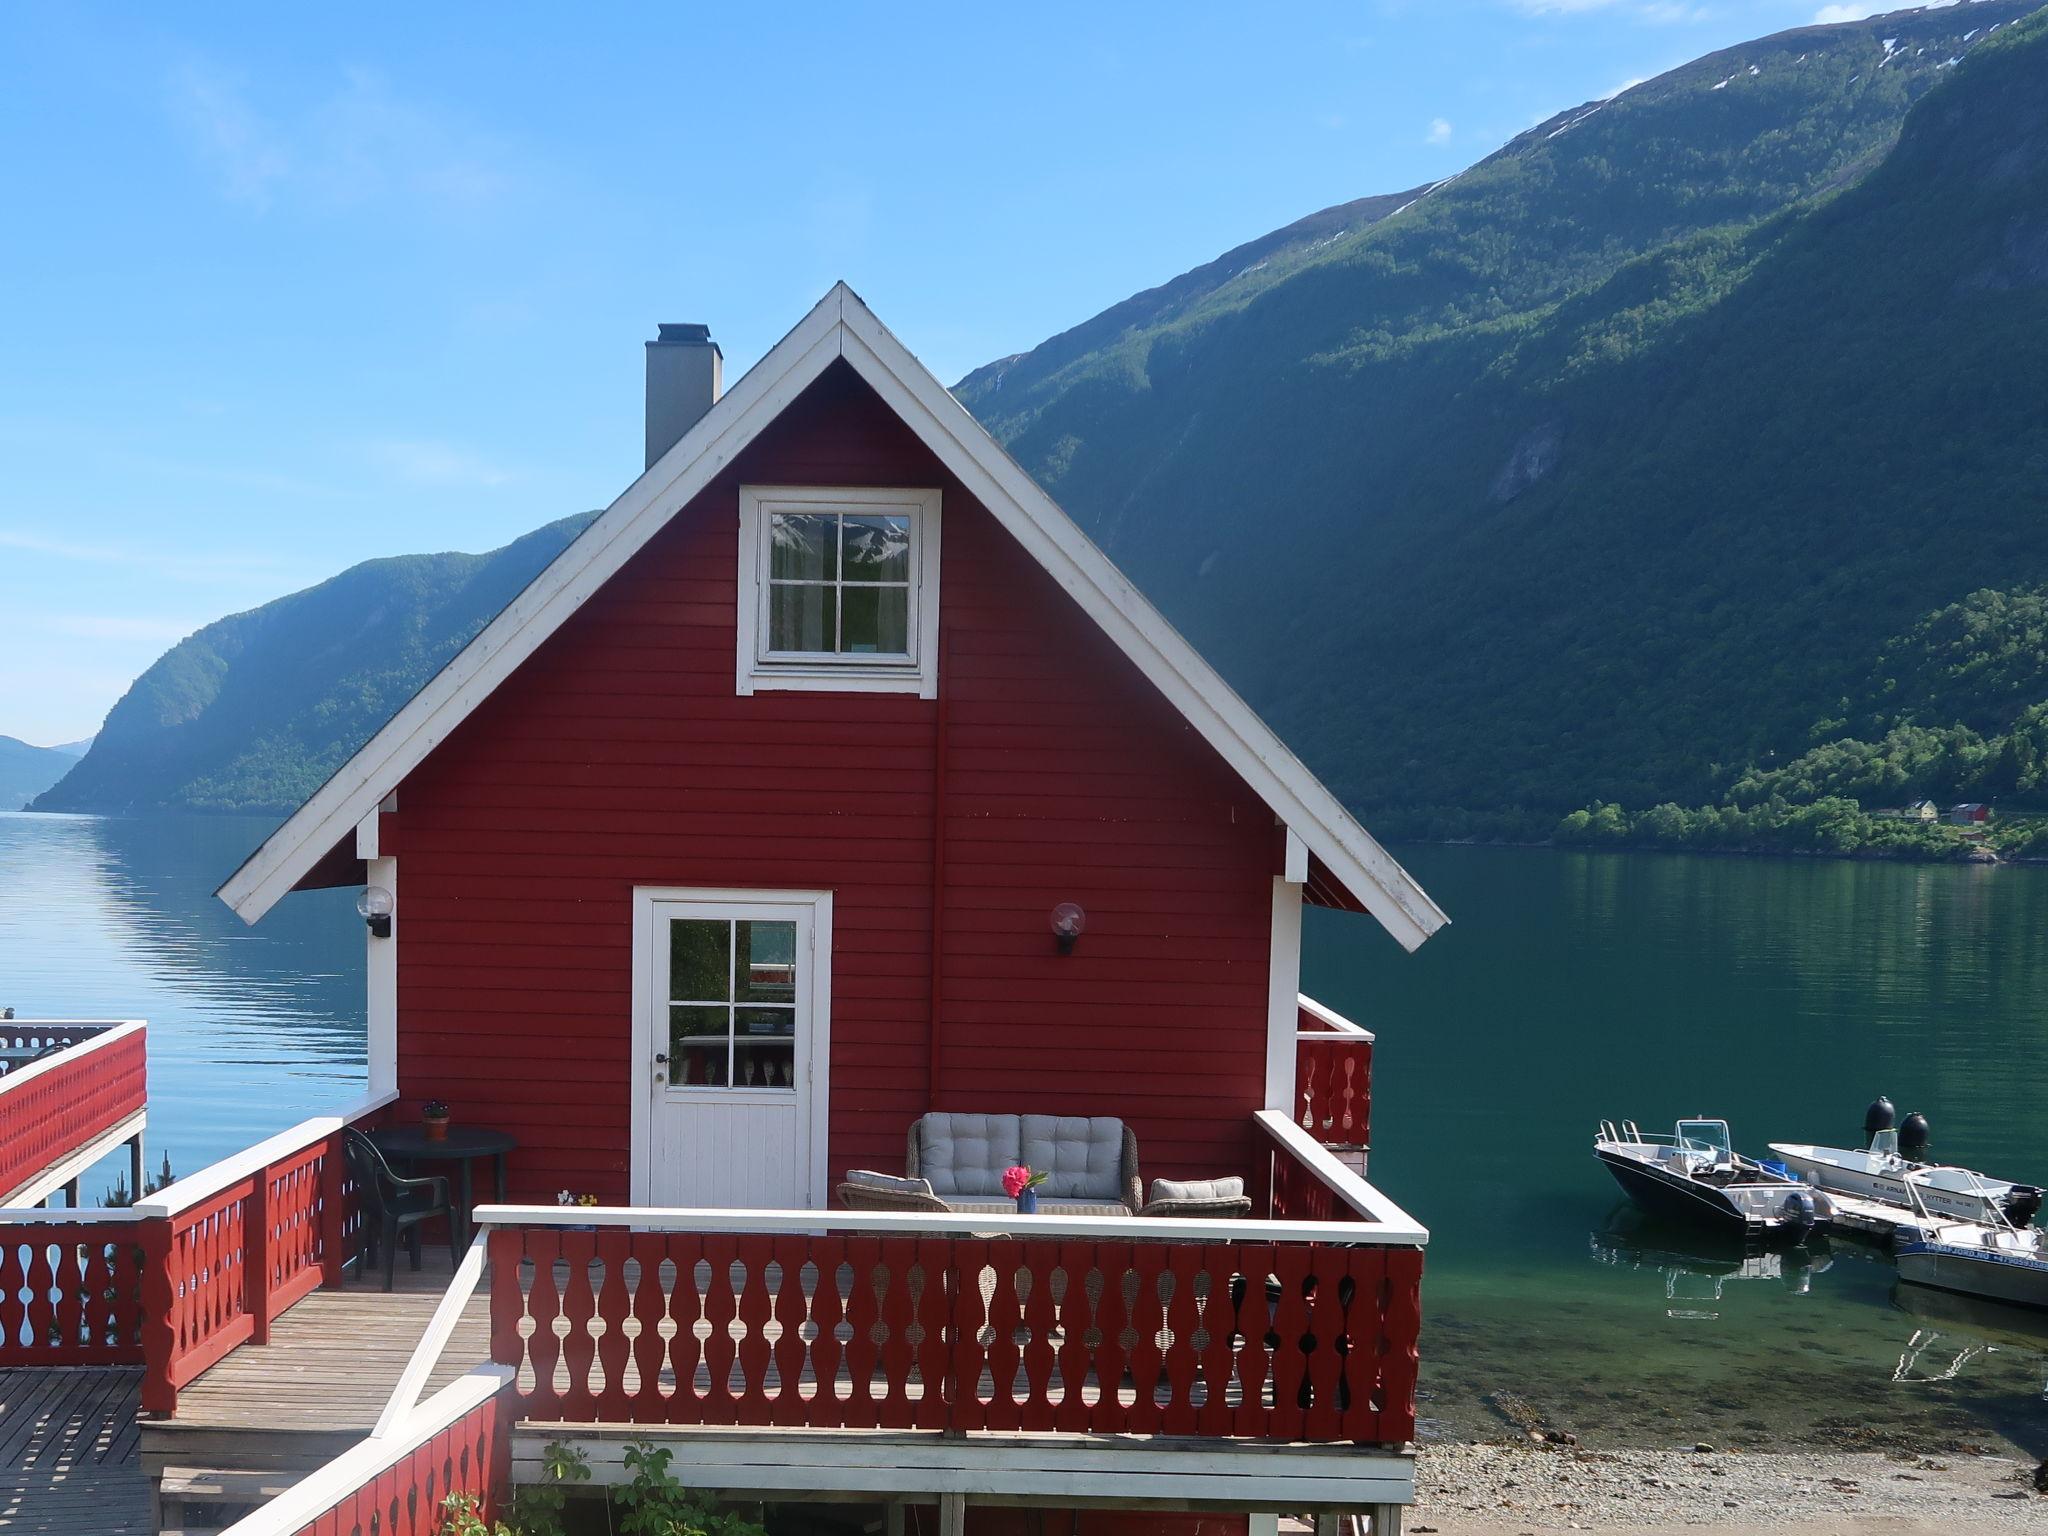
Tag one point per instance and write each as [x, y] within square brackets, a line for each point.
[285, 288]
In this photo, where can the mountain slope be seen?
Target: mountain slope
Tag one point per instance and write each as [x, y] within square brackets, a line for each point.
[1609, 465]
[254, 711]
[27, 771]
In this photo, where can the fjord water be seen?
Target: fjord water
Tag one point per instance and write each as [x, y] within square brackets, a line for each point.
[1781, 994]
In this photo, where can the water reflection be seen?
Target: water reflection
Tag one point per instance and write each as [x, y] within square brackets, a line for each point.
[250, 1029]
[1696, 1266]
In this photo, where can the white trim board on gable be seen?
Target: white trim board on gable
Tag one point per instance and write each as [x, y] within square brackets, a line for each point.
[842, 326]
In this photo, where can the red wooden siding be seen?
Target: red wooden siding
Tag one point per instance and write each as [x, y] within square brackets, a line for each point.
[1048, 770]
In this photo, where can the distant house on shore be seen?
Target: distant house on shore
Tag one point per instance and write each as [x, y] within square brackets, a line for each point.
[1970, 814]
[1923, 810]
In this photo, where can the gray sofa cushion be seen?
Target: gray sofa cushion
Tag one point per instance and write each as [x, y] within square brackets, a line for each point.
[1081, 1156]
[965, 1155]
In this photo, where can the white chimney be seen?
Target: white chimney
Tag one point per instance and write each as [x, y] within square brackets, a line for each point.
[685, 377]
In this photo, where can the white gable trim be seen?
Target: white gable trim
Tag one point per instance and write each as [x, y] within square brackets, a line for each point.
[842, 326]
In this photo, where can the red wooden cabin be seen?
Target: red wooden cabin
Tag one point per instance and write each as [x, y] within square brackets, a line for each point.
[735, 843]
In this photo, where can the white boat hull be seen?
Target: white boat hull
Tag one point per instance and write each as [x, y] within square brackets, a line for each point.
[2020, 1279]
[1871, 1177]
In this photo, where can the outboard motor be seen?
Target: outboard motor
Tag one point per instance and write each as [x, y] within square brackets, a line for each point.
[1913, 1134]
[1799, 1211]
[2023, 1205]
[1879, 1117]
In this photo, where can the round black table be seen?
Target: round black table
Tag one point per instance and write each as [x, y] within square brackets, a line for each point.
[408, 1146]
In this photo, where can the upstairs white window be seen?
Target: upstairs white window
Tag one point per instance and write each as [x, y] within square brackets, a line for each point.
[839, 589]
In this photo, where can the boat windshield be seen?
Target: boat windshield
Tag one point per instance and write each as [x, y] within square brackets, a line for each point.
[1711, 1134]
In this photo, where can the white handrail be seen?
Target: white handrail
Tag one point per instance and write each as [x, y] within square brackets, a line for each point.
[114, 1030]
[38, 1216]
[1333, 1022]
[319, 1491]
[1401, 1231]
[1381, 1215]
[215, 1177]
[440, 1328]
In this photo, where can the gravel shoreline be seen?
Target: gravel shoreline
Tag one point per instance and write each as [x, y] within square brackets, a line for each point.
[1504, 1490]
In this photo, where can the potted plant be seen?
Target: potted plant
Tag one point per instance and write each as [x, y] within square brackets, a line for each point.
[434, 1115]
[580, 1202]
[1021, 1185]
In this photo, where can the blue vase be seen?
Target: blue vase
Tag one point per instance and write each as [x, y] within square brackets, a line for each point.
[1027, 1201]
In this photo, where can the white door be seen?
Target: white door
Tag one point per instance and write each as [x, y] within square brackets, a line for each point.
[732, 1010]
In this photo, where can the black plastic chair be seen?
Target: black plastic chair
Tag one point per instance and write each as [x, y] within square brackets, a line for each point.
[392, 1205]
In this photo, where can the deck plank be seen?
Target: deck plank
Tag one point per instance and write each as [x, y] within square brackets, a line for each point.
[331, 1362]
[69, 1462]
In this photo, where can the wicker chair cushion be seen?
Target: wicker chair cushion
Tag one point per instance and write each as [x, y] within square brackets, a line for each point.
[892, 1183]
[1204, 1190]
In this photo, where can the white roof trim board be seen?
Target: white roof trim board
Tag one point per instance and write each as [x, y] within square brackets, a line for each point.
[842, 326]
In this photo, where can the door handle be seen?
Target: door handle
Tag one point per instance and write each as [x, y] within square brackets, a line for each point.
[661, 1066]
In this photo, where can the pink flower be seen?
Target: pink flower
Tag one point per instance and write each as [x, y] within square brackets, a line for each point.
[1015, 1179]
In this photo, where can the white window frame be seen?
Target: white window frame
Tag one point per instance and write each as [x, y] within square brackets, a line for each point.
[760, 670]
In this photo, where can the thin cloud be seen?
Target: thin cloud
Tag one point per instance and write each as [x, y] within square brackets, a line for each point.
[104, 626]
[1666, 11]
[1439, 131]
[1827, 15]
[182, 567]
[359, 143]
[431, 463]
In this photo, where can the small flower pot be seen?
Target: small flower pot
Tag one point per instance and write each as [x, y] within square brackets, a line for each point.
[1027, 1201]
[437, 1127]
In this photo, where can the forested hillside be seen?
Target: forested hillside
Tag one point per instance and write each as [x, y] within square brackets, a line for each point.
[27, 771]
[254, 711]
[1606, 469]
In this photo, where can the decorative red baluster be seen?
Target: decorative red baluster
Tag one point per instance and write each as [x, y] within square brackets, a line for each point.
[613, 1405]
[756, 1307]
[720, 1308]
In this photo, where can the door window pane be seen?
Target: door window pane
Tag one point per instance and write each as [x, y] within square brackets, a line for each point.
[699, 960]
[875, 621]
[803, 618]
[699, 1045]
[875, 549]
[732, 1005]
[803, 547]
[766, 972]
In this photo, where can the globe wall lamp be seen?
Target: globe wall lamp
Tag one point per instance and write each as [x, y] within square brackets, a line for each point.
[1068, 923]
[376, 906]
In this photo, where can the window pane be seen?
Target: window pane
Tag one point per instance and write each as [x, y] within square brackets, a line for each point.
[802, 619]
[764, 1050]
[803, 546]
[699, 970]
[877, 620]
[876, 549]
[697, 1044]
[767, 963]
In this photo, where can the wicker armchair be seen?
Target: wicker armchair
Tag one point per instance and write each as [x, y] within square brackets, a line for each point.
[860, 1195]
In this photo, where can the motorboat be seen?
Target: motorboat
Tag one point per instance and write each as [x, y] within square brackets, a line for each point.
[1884, 1173]
[1996, 1261]
[1695, 1175]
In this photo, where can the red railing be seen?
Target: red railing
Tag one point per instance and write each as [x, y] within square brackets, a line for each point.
[1332, 1077]
[235, 1245]
[405, 1498]
[71, 1292]
[58, 1103]
[396, 1484]
[821, 1329]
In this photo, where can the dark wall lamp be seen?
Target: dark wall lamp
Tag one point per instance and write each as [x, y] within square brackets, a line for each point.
[376, 905]
[1068, 923]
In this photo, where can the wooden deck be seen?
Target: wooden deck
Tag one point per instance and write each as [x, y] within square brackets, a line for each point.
[318, 1386]
[69, 1462]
